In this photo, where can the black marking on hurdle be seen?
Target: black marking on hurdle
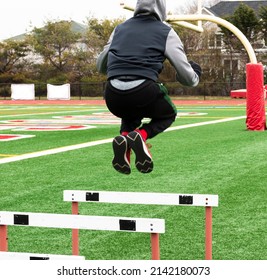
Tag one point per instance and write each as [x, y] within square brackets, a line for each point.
[186, 199]
[21, 219]
[32, 258]
[128, 225]
[92, 196]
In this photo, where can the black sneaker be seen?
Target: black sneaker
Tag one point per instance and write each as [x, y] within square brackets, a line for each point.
[120, 161]
[143, 160]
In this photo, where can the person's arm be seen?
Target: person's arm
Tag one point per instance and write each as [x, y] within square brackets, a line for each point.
[174, 52]
[102, 59]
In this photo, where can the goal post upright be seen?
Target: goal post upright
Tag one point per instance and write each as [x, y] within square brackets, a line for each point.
[255, 105]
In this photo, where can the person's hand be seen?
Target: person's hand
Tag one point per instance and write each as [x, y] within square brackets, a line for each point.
[196, 67]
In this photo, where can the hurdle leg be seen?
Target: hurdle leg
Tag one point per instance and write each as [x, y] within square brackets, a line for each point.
[3, 238]
[75, 231]
[208, 237]
[155, 251]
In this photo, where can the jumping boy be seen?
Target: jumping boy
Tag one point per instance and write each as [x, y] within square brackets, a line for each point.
[133, 59]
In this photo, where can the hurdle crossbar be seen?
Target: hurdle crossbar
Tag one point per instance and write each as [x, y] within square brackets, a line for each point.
[69, 221]
[205, 200]
[141, 198]
[30, 256]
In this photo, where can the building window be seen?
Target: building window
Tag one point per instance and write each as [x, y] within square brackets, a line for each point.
[211, 42]
[230, 68]
[230, 65]
[215, 41]
[218, 38]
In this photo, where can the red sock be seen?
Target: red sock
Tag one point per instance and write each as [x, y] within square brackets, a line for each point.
[128, 153]
[143, 133]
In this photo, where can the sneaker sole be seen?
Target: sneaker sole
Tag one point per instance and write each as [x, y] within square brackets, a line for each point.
[143, 160]
[120, 162]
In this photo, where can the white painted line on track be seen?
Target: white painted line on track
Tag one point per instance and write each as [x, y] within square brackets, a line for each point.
[104, 141]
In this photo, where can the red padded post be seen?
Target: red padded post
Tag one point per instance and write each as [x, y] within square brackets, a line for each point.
[256, 119]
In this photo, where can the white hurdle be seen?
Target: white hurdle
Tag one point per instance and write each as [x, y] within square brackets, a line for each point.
[6, 256]
[205, 200]
[69, 221]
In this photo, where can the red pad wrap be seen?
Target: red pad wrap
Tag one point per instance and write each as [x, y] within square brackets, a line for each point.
[256, 119]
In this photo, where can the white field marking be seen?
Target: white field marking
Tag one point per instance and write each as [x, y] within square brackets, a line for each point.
[204, 123]
[104, 141]
[55, 151]
[12, 137]
[48, 113]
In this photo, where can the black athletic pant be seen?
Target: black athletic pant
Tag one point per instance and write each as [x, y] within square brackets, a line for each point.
[148, 100]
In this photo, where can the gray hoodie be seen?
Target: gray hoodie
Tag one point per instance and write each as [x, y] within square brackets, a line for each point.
[140, 45]
[156, 7]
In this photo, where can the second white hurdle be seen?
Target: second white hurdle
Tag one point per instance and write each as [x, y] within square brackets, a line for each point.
[106, 223]
[205, 200]
[16, 256]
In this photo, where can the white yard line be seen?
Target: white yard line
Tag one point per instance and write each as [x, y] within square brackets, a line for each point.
[49, 113]
[100, 142]
[55, 151]
[204, 123]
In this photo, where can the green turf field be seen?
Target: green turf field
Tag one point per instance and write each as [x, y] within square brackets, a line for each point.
[213, 158]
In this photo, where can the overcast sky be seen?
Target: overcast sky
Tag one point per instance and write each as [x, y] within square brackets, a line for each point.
[20, 16]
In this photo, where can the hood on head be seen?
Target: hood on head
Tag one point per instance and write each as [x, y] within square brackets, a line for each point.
[156, 7]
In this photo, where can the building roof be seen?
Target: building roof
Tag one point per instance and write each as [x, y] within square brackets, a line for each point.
[226, 8]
